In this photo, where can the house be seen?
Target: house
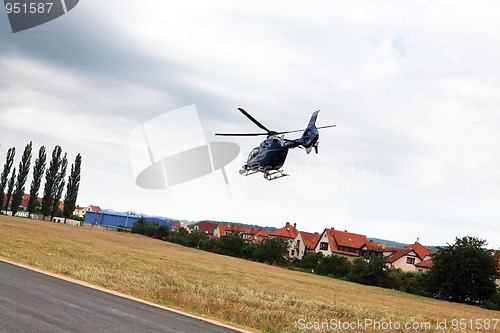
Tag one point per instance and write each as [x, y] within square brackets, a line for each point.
[288, 231]
[205, 227]
[259, 236]
[222, 230]
[92, 208]
[411, 258]
[419, 249]
[405, 259]
[374, 249]
[424, 265]
[342, 243]
[246, 234]
[26, 199]
[304, 242]
[178, 226]
[80, 211]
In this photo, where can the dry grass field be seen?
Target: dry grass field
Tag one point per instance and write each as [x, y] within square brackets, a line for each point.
[231, 290]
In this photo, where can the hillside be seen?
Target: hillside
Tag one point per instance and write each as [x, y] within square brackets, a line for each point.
[248, 226]
[390, 243]
[241, 292]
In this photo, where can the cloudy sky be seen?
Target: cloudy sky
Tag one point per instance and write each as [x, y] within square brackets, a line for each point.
[413, 88]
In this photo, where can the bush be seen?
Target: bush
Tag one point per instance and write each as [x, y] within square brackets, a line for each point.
[178, 237]
[493, 303]
[335, 266]
[310, 261]
[271, 251]
[210, 245]
[231, 245]
[195, 239]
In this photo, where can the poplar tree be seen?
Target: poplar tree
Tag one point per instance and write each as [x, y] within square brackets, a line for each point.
[59, 185]
[38, 170]
[73, 186]
[24, 168]
[5, 173]
[10, 188]
[50, 187]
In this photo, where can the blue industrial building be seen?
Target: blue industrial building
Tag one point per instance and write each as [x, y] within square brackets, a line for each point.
[119, 219]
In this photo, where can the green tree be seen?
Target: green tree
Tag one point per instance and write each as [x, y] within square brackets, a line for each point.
[231, 245]
[139, 226]
[311, 260]
[373, 273]
[413, 283]
[196, 239]
[72, 189]
[5, 173]
[271, 250]
[59, 187]
[463, 272]
[51, 182]
[38, 170]
[334, 265]
[24, 169]
[10, 188]
[178, 237]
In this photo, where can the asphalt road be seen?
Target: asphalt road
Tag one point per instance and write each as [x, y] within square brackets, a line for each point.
[35, 302]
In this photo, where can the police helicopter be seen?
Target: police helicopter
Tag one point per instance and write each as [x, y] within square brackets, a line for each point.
[270, 155]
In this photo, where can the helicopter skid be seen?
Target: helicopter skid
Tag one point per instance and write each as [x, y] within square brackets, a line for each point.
[247, 172]
[275, 174]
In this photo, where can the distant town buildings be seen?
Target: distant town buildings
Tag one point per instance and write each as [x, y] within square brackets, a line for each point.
[330, 241]
[415, 257]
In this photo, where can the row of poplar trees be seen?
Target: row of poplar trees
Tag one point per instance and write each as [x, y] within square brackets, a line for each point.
[12, 188]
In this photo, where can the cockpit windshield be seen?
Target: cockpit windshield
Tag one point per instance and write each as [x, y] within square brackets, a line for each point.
[253, 153]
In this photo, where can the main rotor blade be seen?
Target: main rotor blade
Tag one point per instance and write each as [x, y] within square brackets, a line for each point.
[255, 121]
[241, 134]
[302, 130]
[326, 126]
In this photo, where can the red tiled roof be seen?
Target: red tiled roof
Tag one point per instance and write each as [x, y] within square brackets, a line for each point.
[94, 208]
[177, 226]
[240, 229]
[310, 240]
[348, 239]
[26, 199]
[206, 227]
[425, 264]
[260, 233]
[398, 253]
[251, 231]
[288, 231]
[223, 229]
[338, 238]
[419, 249]
[373, 246]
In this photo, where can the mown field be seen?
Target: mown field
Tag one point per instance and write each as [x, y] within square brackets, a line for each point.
[231, 290]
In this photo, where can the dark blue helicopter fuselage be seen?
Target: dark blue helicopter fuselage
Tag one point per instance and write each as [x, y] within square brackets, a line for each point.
[270, 155]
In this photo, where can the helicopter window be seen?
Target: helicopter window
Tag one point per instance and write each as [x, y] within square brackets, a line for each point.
[253, 153]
